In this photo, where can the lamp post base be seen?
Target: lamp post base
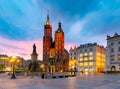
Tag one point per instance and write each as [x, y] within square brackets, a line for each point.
[13, 77]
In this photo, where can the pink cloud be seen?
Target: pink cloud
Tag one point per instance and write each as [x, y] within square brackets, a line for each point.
[20, 48]
[69, 45]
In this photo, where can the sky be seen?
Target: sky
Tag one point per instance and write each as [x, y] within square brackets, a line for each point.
[83, 21]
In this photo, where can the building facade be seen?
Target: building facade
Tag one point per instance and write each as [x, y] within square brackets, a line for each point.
[5, 60]
[91, 58]
[113, 53]
[54, 53]
[73, 58]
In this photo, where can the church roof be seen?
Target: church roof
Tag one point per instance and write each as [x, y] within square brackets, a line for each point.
[59, 30]
[66, 51]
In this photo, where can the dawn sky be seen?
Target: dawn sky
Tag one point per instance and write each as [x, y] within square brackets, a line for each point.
[83, 21]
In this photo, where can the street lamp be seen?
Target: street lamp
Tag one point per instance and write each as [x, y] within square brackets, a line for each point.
[13, 60]
[42, 67]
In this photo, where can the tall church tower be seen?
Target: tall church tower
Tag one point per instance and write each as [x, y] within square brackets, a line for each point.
[59, 48]
[47, 40]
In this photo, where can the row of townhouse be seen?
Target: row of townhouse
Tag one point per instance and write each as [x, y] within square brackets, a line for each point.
[92, 58]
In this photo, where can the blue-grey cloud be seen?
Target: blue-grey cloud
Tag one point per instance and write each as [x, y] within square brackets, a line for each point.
[11, 46]
[20, 22]
[74, 7]
[83, 19]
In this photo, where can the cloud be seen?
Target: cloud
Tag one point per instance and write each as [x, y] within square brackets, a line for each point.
[96, 25]
[20, 22]
[69, 45]
[20, 48]
[83, 21]
[74, 7]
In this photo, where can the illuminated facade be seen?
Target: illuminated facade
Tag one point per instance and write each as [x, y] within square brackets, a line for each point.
[73, 58]
[113, 53]
[5, 60]
[91, 58]
[55, 56]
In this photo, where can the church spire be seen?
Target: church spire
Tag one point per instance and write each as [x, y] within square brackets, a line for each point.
[59, 28]
[48, 19]
[59, 25]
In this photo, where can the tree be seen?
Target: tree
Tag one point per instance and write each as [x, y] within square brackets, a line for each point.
[2, 66]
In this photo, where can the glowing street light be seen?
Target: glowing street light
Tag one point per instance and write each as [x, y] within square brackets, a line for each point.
[13, 60]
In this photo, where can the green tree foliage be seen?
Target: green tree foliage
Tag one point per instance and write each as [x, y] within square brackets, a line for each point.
[2, 66]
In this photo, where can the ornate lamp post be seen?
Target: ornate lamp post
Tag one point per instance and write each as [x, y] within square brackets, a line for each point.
[13, 60]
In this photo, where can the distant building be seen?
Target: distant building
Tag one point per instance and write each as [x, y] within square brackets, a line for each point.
[54, 53]
[113, 53]
[73, 58]
[5, 60]
[91, 58]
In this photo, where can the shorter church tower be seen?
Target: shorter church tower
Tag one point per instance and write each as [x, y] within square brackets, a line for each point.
[59, 48]
[34, 55]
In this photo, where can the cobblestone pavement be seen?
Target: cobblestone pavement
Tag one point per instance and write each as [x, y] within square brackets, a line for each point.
[79, 82]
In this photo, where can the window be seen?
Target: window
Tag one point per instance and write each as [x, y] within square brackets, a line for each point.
[85, 58]
[119, 42]
[112, 44]
[90, 58]
[90, 54]
[85, 63]
[81, 51]
[85, 50]
[81, 64]
[74, 57]
[81, 55]
[90, 49]
[91, 63]
[119, 57]
[112, 50]
[74, 53]
[85, 54]
[112, 57]
[81, 59]
[119, 49]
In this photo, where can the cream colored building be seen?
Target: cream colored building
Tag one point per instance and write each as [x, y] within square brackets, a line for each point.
[91, 58]
[113, 53]
[5, 60]
[73, 58]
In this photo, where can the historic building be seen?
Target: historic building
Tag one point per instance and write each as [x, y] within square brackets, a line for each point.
[6, 63]
[55, 56]
[73, 58]
[113, 53]
[91, 58]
